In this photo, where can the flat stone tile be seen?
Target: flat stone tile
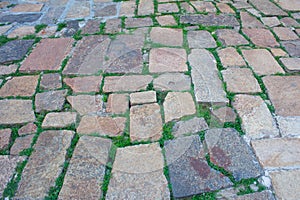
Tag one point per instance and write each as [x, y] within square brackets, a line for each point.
[289, 22]
[172, 82]
[101, 10]
[51, 81]
[127, 8]
[167, 8]
[138, 22]
[91, 27]
[29, 128]
[230, 37]
[145, 7]
[225, 8]
[27, 8]
[249, 21]
[230, 57]
[78, 9]
[22, 31]
[289, 126]
[224, 114]
[113, 26]
[202, 6]
[53, 14]
[267, 7]
[50, 101]
[84, 84]
[86, 104]
[200, 39]
[117, 103]
[138, 172]
[14, 50]
[59, 119]
[142, 97]
[20, 18]
[167, 36]
[278, 52]
[5, 138]
[166, 20]
[291, 64]
[261, 37]
[292, 5]
[284, 33]
[49, 31]
[292, 47]
[210, 20]
[20, 144]
[270, 21]
[189, 172]
[191, 126]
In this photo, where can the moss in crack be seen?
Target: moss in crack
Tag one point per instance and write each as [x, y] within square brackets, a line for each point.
[160, 96]
[219, 169]
[167, 133]
[245, 186]
[205, 196]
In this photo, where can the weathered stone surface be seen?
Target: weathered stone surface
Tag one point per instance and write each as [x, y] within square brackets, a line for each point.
[10, 69]
[22, 31]
[86, 171]
[16, 111]
[291, 64]
[278, 52]
[106, 126]
[142, 97]
[292, 47]
[20, 18]
[249, 21]
[230, 37]
[224, 114]
[91, 27]
[167, 36]
[78, 9]
[284, 91]
[172, 82]
[267, 7]
[289, 126]
[270, 21]
[191, 126]
[229, 151]
[177, 105]
[129, 83]
[46, 163]
[202, 6]
[113, 26]
[50, 81]
[231, 193]
[86, 104]
[167, 8]
[262, 61]
[48, 55]
[127, 8]
[141, 180]
[84, 84]
[240, 80]
[27, 8]
[292, 5]
[207, 85]
[166, 20]
[138, 22]
[188, 169]
[284, 33]
[29, 128]
[261, 37]
[230, 57]
[5, 137]
[286, 183]
[20, 144]
[145, 7]
[257, 121]
[200, 39]
[225, 8]
[49, 101]
[14, 50]
[167, 60]
[117, 103]
[145, 122]
[101, 10]
[59, 119]
[210, 20]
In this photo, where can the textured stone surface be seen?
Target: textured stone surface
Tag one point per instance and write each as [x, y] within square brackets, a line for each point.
[5, 137]
[105, 10]
[145, 7]
[46, 163]
[172, 81]
[270, 21]
[257, 121]
[22, 31]
[267, 7]
[284, 33]
[292, 47]
[143, 97]
[291, 64]
[231, 194]
[224, 114]
[229, 151]
[166, 20]
[59, 119]
[29, 128]
[91, 26]
[278, 52]
[230, 57]
[8, 69]
[138, 22]
[20, 18]
[202, 6]
[138, 172]
[16, 111]
[188, 169]
[78, 9]
[261, 37]
[191, 126]
[4, 29]
[86, 104]
[127, 8]
[113, 26]
[200, 39]
[289, 126]
[292, 5]
[167, 36]
[49, 101]
[249, 21]
[50, 81]
[14, 50]
[210, 20]
[27, 8]
[145, 122]
[87, 169]
[117, 103]
[20, 144]
[84, 84]
[230, 37]
[168, 8]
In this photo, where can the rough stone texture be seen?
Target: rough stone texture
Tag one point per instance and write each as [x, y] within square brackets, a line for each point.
[278, 52]
[292, 47]
[20, 144]
[166, 20]
[292, 5]
[200, 39]
[267, 7]
[257, 121]
[50, 81]
[230, 37]
[270, 21]
[48, 55]
[240, 80]
[286, 183]
[224, 114]
[262, 61]
[229, 151]
[29, 128]
[49, 101]
[49, 31]
[289, 22]
[20, 18]
[46, 163]
[113, 26]
[86, 171]
[284, 33]
[168, 8]
[283, 92]
[143, 97]
[106, 126]
[14, 50]
[249, 21]
[210, 20]
[101, 10]
[117, 103]
[167, 60]
[91, 27]
[145, 7]
[141, 180]
[86, 104]
[78, 9]
[4, 29]
[129, 83]
[172, 82]
[84, 84]
[207, 85]
[289, 126]
[231, 194]
[22, 31]
[224, 8]
[261, 37]
[167, 36]
[16, 111]
[59, 120]
[8, 69]
[127, 8]
[51, 17]
[138, 22]
[27, 8]
[191, 126]
[5, 137]
[204, 6]
[145, 122]
[291, 64]
[230, 57]
[188, 169]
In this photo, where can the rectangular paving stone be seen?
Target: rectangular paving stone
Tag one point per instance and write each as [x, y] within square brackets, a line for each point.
[138, 22]
[138, 173]
[230, 57]
[22, 31]
[127, 8]
[27, 8]
[289, 126]
[44, 165]
[167, 36]
[50, 81]
[172, 81]
[20, 18]
[78, 9]
[50, 101]
[261, 37]
[145, 7]
[191, 126]
[267, 7]
[207, 84]
[142, 97]
[86, 171]
[59, 119]
[230, 37]
[249, 21]
[167, 8]
[210, 20]
[14, 50]
[200, 39]
[292, 47]
[203, 6]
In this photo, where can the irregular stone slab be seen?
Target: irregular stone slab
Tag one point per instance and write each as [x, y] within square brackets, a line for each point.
[84, 84]
[129, 83]
[91, 27]
[46, 163]
[207, 84]
[292, 47]
[172, 82]
[48, 55]
[291, 64]
[27, 8]
[8, 165]
[138, 172]
[191, 126]
[167, 36]
[127, 8]
[167, 60]
[284, 33]
[49, 101]
[240, 80]
[256, 117]
[117, 103]
[29, 128]
[230, 57]
[78, 9]
[230, 193]
[87, 169]
[284, 153]
[292, 5]
[22, 31]
[166, 20]
[59, 119]
[229, 151]
[267, 7]
[20, 144]
[261, 37]
[188, 169]
[14, 50]
[10, 69]
[286, 183]
[138, 22]
[249, 21]
[5, 137]
[200, 39]
[106, 126]
[262, 61]
[230, 37]
[289, 126]
[142, 97]
[270, 21]
[284, 91]
[167, 8]
[86, 104]
[20, 18]
[51, 81]
[145, 122]
[145, 7]
[210, 20]
[16, 111]
[224, 114]
[101, 10]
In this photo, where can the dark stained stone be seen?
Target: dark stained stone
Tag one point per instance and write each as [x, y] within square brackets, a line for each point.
[229, 151]
[210, 20]
[292, 47]
[21, 18]
[49, 101]
[189, 172]
[14, 50]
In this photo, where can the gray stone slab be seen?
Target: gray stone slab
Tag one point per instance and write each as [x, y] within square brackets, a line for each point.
[267, 7]
[14, 50]
[292, 47]
[210, 20]
[192, 126]
[172, 82]
[21, 18]
[50, 101]
[200, 39]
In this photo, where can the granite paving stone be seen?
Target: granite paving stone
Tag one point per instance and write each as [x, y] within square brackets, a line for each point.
[291, 64]
[142, 97]
[210, 20]
[284, 33]
[261, 37]
[230, 37]
[29, 128]
[22, 31]
[267, 7]
[292, 47]
[289, 126]
[167, 8]
[78, 9]
[249, 21]
[27, 8]
[270, 21]
[127, 8]
[59, 119]
[4, 29]
[86, 104]
[224, 114]
[84, 84]
[117, 103]
[167, 36]
[278, 52]
[107, 10]
[230, 57]
[191, 126]
[203, 6]
[5, 138]
[14, 50]
[145, 7]
[50, 101]
[166, 20]
[292, 5]
[8, 69]
[172, 82]
[138, 22]
[20, 18]
[265, 194]
[200, 39]
[50, 81]
[113, 26]
[91, 27]
[20, 144]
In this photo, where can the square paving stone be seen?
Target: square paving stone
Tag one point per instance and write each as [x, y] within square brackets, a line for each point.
[189, 172]
[167, 36]
[166, 20]
[14, 50]
[50, 101]
[200, 39]
[22, 31]
[292, 47]
[127, 8]
[102, 10]
[230, 57]
[249, 21]
[202, 6]
[230, 37]
[261, 37]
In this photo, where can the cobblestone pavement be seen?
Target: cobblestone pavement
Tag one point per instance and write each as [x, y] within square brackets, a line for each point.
[103, 99]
